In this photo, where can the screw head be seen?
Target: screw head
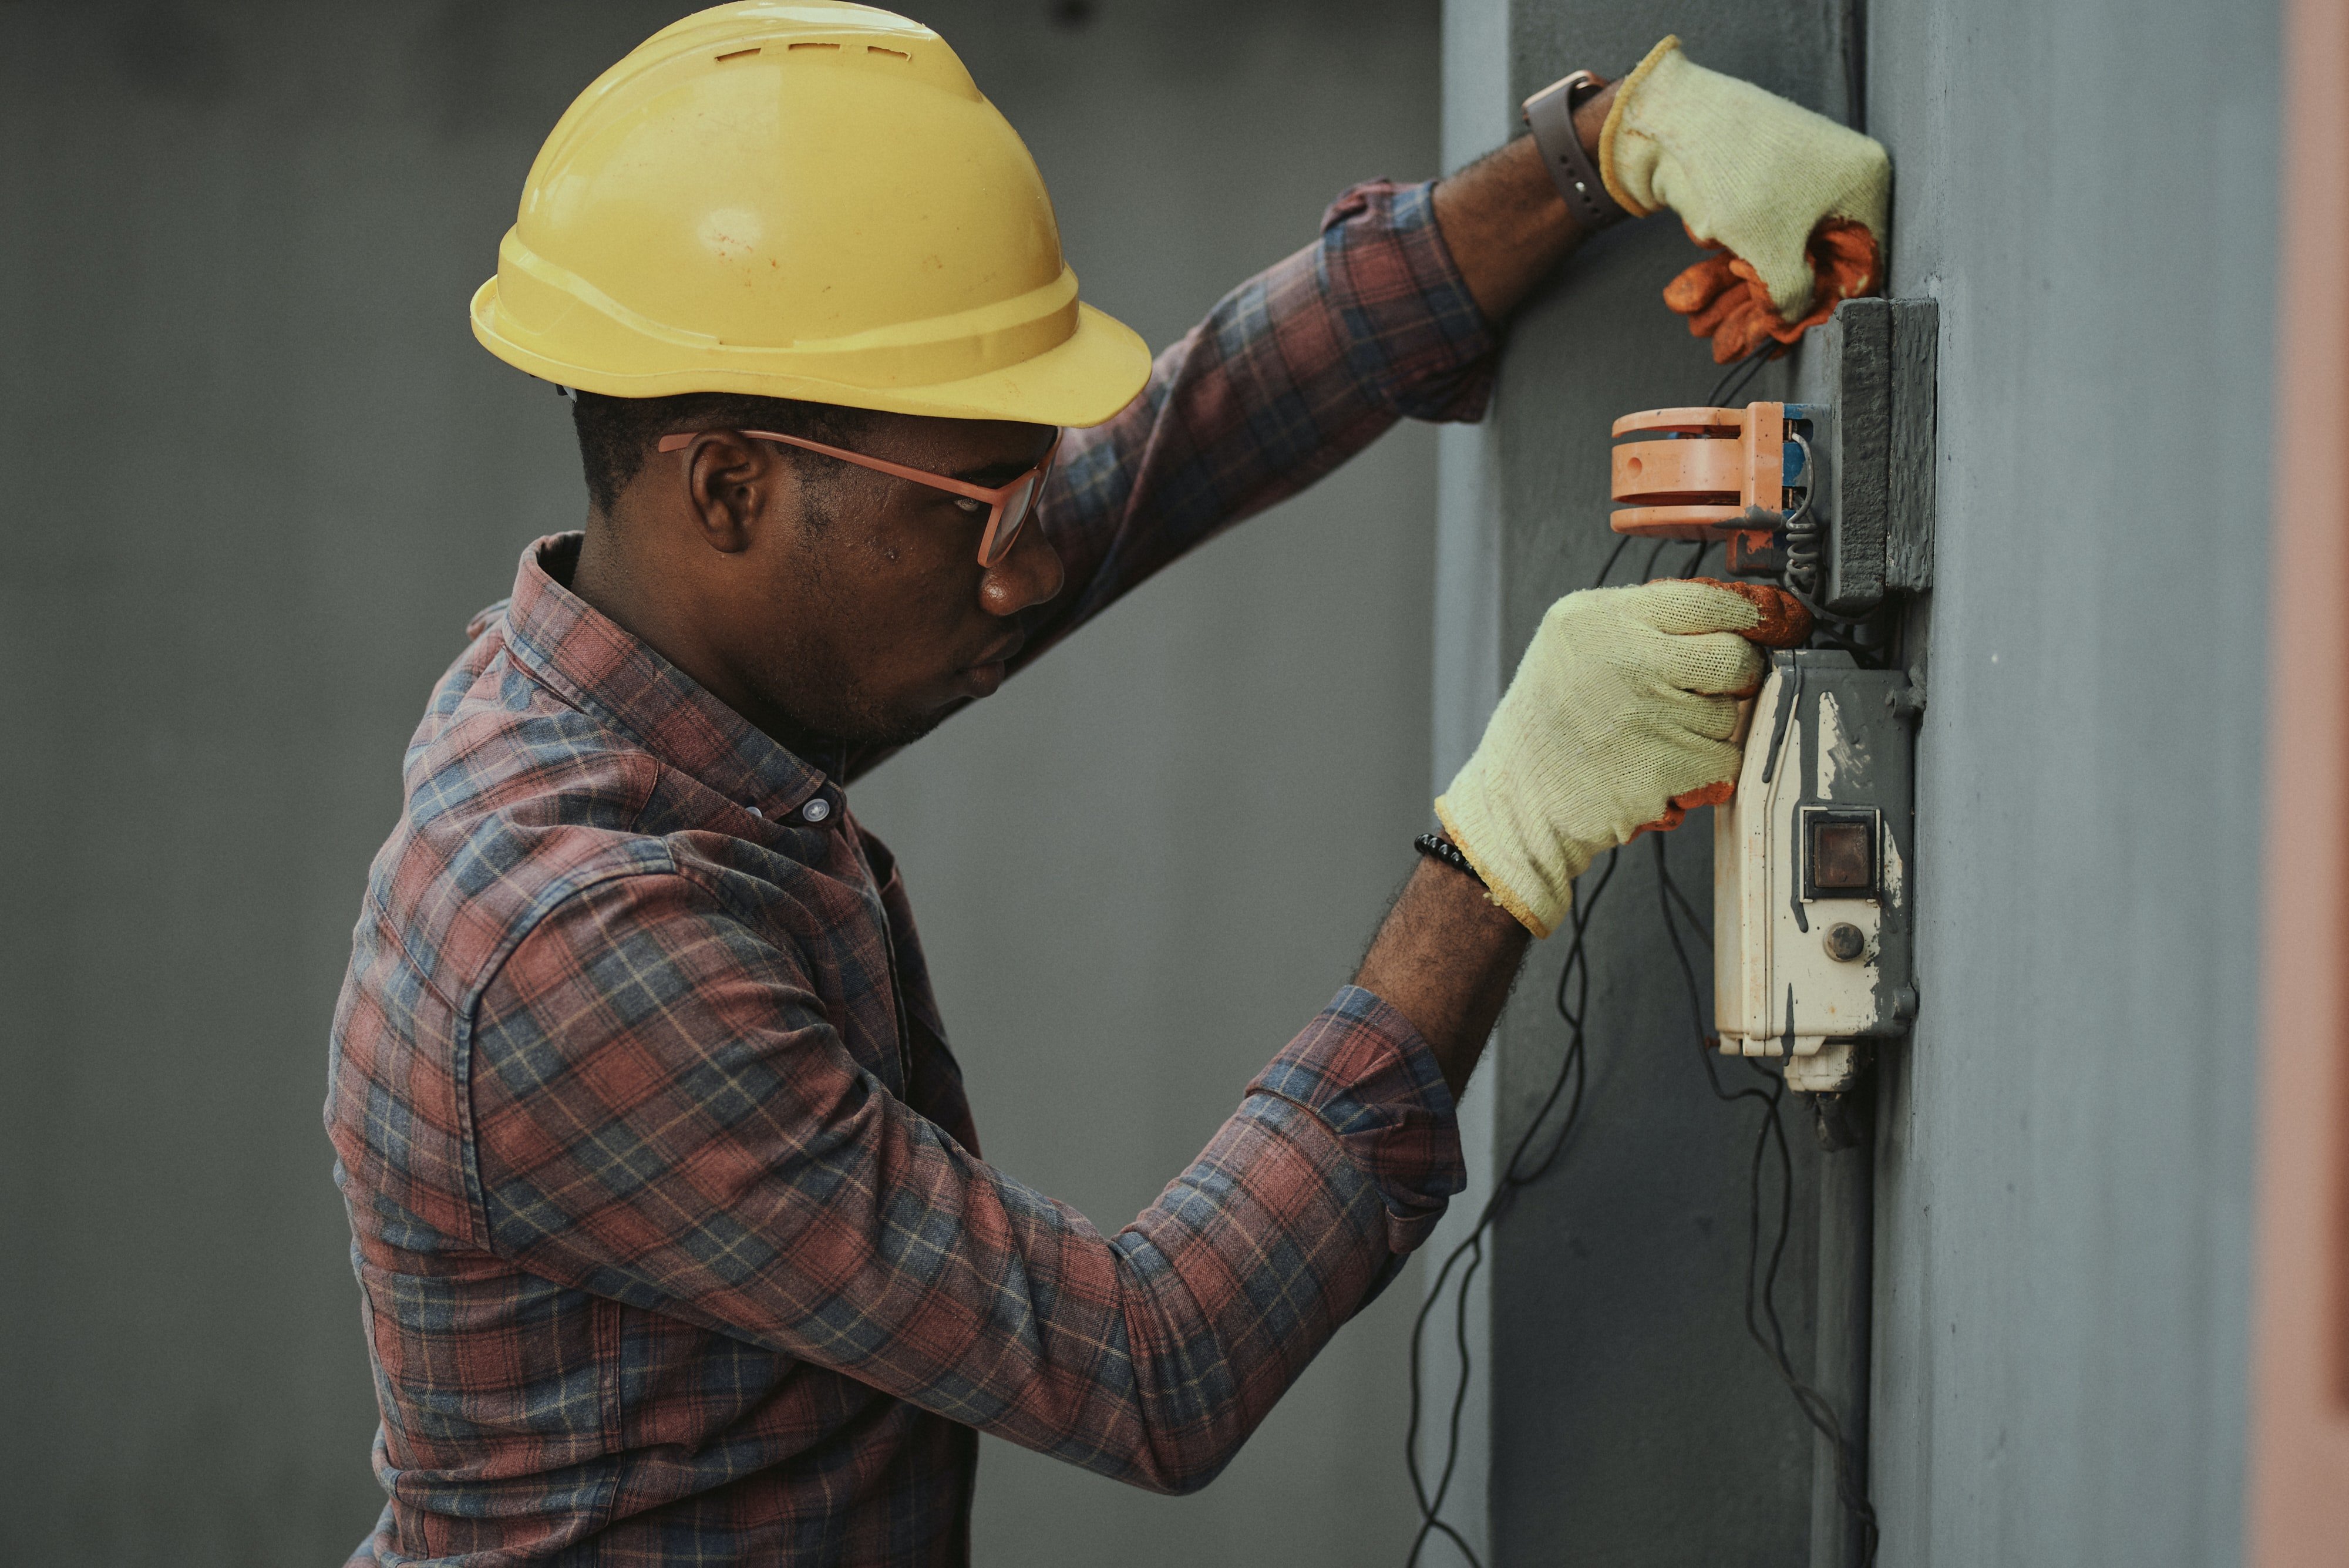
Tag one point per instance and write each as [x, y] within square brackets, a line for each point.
[1845, 942]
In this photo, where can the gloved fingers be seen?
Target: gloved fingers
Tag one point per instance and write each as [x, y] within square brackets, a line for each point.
[1732, 303]
[1846, 258]
[1843, 258]
[1700, 284]
[1713, 718]
[1784, 620]
[1727, 299]
[1754, 333]
[1701, 772]
[1675, 814]
[1738, 324]
[1600, 617]
[1684, 605]
[1780, 279]
[1709, 794]
[1677, 809]
[1710, 664]
[1740, 335]
[1718, 297]
[1770, 320]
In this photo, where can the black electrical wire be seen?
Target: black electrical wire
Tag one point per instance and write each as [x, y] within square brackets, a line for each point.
[1622, 541]
[1733, 380]
[1760, 1281]
[1648, 567]
[1815, 1406]
[1573, 977]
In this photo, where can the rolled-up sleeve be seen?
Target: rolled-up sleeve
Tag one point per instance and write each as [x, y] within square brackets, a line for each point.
[663, 1116]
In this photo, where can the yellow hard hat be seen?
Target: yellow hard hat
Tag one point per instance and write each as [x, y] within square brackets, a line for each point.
[808, 200]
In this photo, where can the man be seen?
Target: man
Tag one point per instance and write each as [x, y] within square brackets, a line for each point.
[673, 1235]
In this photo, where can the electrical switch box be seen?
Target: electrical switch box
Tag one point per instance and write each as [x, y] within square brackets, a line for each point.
[1831, 498]
[1812, 871]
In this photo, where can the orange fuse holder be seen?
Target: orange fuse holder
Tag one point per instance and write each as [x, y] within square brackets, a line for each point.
[1707, 473]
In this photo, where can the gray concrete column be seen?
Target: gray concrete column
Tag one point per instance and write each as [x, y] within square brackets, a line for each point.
[1632, 1420]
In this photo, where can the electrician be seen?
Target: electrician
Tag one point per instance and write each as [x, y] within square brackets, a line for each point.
[674, 1236]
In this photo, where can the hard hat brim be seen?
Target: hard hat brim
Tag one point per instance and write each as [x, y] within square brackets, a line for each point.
[1083, 380]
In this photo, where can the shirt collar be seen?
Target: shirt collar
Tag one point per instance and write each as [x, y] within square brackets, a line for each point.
[586, 657]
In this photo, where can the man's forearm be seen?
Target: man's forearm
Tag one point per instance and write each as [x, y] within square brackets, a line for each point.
[1502, 220]
[1445, 959]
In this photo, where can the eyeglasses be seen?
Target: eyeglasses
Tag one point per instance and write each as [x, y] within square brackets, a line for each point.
[1008, 506]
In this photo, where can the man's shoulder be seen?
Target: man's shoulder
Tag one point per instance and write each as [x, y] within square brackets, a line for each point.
[513, 800]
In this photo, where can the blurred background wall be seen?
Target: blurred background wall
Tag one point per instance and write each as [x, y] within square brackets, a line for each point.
[254, 474]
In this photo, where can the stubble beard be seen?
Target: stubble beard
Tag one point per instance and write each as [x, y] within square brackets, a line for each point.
[825, 703]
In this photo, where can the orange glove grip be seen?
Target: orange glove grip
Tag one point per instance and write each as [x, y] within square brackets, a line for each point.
[1724, 298]
[1785, 623]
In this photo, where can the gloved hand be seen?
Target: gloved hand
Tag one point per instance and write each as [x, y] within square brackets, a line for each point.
[1786, 622]
[1798, 200]
[1625, 701]
[1723, 297]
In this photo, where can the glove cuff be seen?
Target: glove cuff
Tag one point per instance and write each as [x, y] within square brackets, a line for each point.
[1627, 167]
[1497, 889]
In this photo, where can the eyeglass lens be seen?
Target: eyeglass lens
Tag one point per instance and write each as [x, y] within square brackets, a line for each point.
[1016, 505]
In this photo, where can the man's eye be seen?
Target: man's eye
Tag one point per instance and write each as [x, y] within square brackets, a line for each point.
[969, 508]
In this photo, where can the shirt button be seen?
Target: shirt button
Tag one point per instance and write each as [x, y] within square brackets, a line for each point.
[817, 809]
[754, 811]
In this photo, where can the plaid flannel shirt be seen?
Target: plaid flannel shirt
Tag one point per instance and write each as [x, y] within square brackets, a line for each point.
[673, 1237]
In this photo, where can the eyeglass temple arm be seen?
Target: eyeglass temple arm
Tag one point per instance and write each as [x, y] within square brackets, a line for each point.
[678, 441]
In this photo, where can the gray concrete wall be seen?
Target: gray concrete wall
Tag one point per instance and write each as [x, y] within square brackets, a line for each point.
[2063, 1170]
[254, 476]
[2064, 1186]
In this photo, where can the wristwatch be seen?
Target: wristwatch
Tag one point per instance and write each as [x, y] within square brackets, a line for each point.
[1550, 113]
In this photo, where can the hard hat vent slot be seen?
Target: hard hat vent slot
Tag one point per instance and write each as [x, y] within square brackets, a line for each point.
[796, 48]
[894, 54]
[737, 54]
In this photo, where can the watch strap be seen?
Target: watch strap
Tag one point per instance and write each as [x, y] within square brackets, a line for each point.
[1549, 114]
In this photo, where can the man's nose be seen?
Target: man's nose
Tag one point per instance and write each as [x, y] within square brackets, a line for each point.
[1030, 576]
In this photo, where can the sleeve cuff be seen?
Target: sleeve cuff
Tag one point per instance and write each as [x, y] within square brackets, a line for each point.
[1414, 337]
[1362, 1071]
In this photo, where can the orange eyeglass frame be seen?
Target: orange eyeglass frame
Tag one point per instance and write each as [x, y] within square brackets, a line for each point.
[1016, 500]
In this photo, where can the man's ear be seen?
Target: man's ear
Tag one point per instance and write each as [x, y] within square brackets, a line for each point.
[732, 485]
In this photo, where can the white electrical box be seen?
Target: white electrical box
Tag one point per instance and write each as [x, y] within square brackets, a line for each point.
[1813, 874]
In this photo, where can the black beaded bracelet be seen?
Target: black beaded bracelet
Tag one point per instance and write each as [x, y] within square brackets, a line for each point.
[1437, 847]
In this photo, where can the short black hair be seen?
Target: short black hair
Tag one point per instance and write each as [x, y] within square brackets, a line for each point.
[616, 434]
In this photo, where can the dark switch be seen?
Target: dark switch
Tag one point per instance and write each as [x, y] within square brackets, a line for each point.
[1842, 856]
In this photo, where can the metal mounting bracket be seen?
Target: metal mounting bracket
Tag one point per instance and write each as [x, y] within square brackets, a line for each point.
[1875, 484]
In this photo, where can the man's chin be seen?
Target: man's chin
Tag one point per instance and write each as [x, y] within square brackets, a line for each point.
[905, 732]
[869, 726]
[872, 730]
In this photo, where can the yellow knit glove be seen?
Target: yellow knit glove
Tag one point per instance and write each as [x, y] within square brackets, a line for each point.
[1625, 700]
[1742, 167]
